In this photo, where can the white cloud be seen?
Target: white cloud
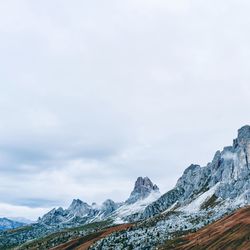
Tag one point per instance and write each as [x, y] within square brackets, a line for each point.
[7, 210]
[93, 94]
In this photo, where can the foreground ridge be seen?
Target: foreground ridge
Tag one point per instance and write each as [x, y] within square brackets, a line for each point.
[231, 232]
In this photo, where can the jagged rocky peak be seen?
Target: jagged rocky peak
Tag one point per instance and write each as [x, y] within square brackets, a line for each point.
[54, 216]
[244, 135]
[79, 208]
[193, 168]
[142, 189]
[143, 185]
[76, 203]
[244, 132]
[109, 206]
[108, 203]
[190, 174]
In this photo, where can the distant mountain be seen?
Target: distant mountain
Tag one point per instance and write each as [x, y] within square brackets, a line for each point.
[79, 212]
[9, 224]
[21, 219]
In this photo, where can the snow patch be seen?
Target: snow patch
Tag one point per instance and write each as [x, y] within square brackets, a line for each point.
[139, 206]
[119, 221]
[195, 205]
[229, 156]
[170, 208]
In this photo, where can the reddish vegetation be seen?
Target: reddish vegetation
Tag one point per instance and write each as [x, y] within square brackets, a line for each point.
[230, 233]
[83, 243]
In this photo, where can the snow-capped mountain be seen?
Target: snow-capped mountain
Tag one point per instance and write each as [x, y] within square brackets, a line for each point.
[9, 224]
[224, 181]
[201, 196]
[79, 212]
[226, 178]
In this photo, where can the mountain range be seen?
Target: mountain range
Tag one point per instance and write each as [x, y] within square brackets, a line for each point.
[201, 196]
[79, 212]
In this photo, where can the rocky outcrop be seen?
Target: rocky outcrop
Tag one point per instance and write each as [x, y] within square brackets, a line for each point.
[142, 189]
[78, 208]
[108, 207]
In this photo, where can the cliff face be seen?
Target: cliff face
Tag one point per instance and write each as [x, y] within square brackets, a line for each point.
[142, 189]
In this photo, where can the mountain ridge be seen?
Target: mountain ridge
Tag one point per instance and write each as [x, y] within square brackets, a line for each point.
[201, 196]
[80, 212]
[229, 167]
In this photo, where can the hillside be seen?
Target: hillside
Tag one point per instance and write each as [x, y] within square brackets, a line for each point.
[230, 232]
[83, 243]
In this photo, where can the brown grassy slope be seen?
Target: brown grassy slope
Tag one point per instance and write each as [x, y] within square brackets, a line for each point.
[229, 233]
[83, 243]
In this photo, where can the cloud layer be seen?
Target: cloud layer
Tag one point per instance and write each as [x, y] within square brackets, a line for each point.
[94, 94]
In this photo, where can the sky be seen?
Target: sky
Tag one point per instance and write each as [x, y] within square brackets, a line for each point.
[94, 94]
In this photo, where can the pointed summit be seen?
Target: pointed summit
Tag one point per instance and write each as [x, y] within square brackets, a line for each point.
[109, 206]
[78, 208]
[243, 135]
[142, 189]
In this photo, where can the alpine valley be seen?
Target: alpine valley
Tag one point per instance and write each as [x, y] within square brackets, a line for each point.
[204, 200]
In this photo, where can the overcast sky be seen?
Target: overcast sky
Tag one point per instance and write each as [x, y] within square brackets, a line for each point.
[94, 94]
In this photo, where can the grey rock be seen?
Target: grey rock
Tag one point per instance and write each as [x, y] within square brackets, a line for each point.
[142, 189]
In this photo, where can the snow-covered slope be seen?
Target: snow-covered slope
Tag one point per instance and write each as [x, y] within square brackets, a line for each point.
[130, 211]
[197, 203]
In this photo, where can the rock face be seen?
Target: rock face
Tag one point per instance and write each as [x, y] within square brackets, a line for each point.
[80, 212]
[78, 208]
[108, 207]
[229, 171]
[142, 189]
